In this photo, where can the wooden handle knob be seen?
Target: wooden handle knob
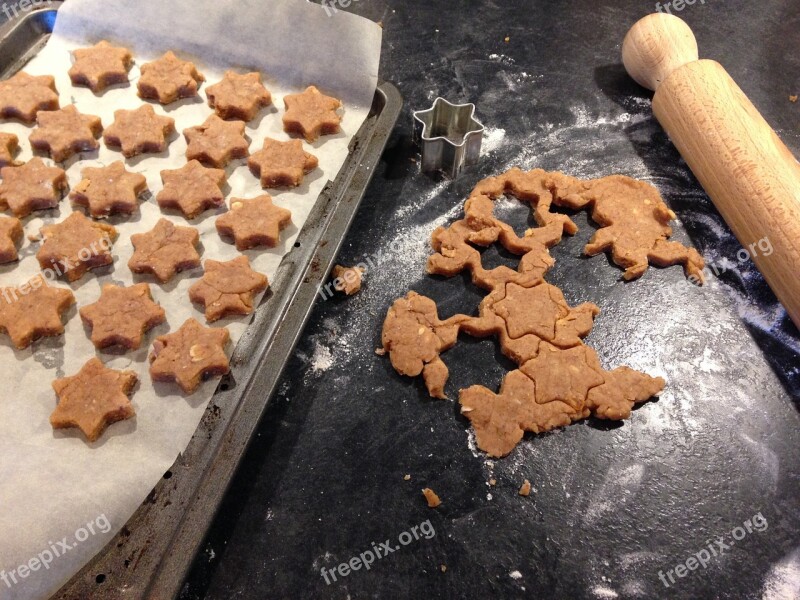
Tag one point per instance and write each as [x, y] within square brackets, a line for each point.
[655, 46]
[738, 158]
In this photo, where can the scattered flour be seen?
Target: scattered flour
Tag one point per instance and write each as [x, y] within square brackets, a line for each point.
[322, 359]
[515, 575]
[783, 580]
[492, 140]
[604, 592]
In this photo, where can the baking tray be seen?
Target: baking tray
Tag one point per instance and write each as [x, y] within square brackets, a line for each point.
[151, 555]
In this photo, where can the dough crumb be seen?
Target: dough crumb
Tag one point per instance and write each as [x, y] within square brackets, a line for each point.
[431, 497]
[493, 482]
[348, 279]
[443, 568]
[407, 477]
[380, 351]
[793, 98]
[525, 490]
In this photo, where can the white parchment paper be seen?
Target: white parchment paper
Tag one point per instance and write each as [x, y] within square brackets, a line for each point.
[56, 490]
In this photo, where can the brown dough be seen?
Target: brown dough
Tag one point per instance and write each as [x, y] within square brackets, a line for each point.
[282, 164]
[63, 133]
[32, 186]
[165, 250]
[109, 190]
[238, 96]
[139, 131]
[75, 245]
[192, 189]
[228, 288]
[348, 279]
[93, 399]
[168, 79]
[33, 310]
[23, 96]
[190, 354]
[121, 316]
[9, 146]
[10, 235]
[100, 66]
[311, 114]
[254, 222]
[431, 498]
[216, 142]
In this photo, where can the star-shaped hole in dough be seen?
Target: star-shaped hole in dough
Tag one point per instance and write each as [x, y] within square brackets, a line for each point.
[192, 189]
[254, 222]
[75, 245]
[110, 190]
[139, 131]
[189, 355]
[32, 186]
[100, 66]
[63, 133]
[238, 96]
[216, 142]
[227, 288]
[311, 114]
[33, 310]
[122, 315]
[23, 96]
[168, 79]
[93, 398]
[281, 164]
[9, 146]
[165, 250]
[10, 235]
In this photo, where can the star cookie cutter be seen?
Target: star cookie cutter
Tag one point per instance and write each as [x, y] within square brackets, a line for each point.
[449, 135]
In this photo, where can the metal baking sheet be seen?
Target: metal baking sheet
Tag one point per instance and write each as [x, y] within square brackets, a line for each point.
[152, 553]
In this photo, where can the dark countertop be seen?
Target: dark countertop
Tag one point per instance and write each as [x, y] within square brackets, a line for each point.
[612, 505]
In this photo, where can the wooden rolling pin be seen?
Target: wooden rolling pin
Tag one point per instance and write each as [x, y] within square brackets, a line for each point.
[738, 158]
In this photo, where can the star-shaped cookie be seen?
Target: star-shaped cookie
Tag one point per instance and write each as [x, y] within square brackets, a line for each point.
[122, 315]
[23, 95]
[311, 114]
[10, 235]
[216, 142]
[109, 190]
[33, 310]
[93, 398]
[100, 66]
[139, 131]
[192, 189]
[238, 96]
[165, 250]
[168, 79]
[9, 145]
[228, 288]
[254, 222]
[32, 186]
[65, 132]
[75, 245]
[281, 164]
[189, 355]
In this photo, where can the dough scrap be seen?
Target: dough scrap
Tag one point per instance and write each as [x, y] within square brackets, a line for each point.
[311, 114]
[254, 222]
[190, 354]
[10, 235]
[348, 279]
[228, 288]
[169, 79]
[66, 132]
[165, 250]
[9, 146]
[32, 186]
[23, 96]
[139, 131]
[282, 164]
[33, 310]
[238, 96]
[192, 189]
[93, 398]
[216, 142]
[122, 315]
[100, 66]
[110, 190]
[76, 245]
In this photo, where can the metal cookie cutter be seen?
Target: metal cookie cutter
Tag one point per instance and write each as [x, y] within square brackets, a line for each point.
[449, 135]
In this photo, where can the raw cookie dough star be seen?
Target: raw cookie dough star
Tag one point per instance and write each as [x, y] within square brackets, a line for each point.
[75, 245]
[10, 235]
[23, 96]
[100, 66]
[216, 142]
[122, 315]
[32, 186]
[9, 146]
[189, 355]
[168, 79]
[33, 310]
[109, 190]
[311, 114]
[93, 398]
[139, 131]
[254, 222]
[192, 189]
[281, 164]
[238, 96]
[165, 250]
[63, 133]
[227, 288]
